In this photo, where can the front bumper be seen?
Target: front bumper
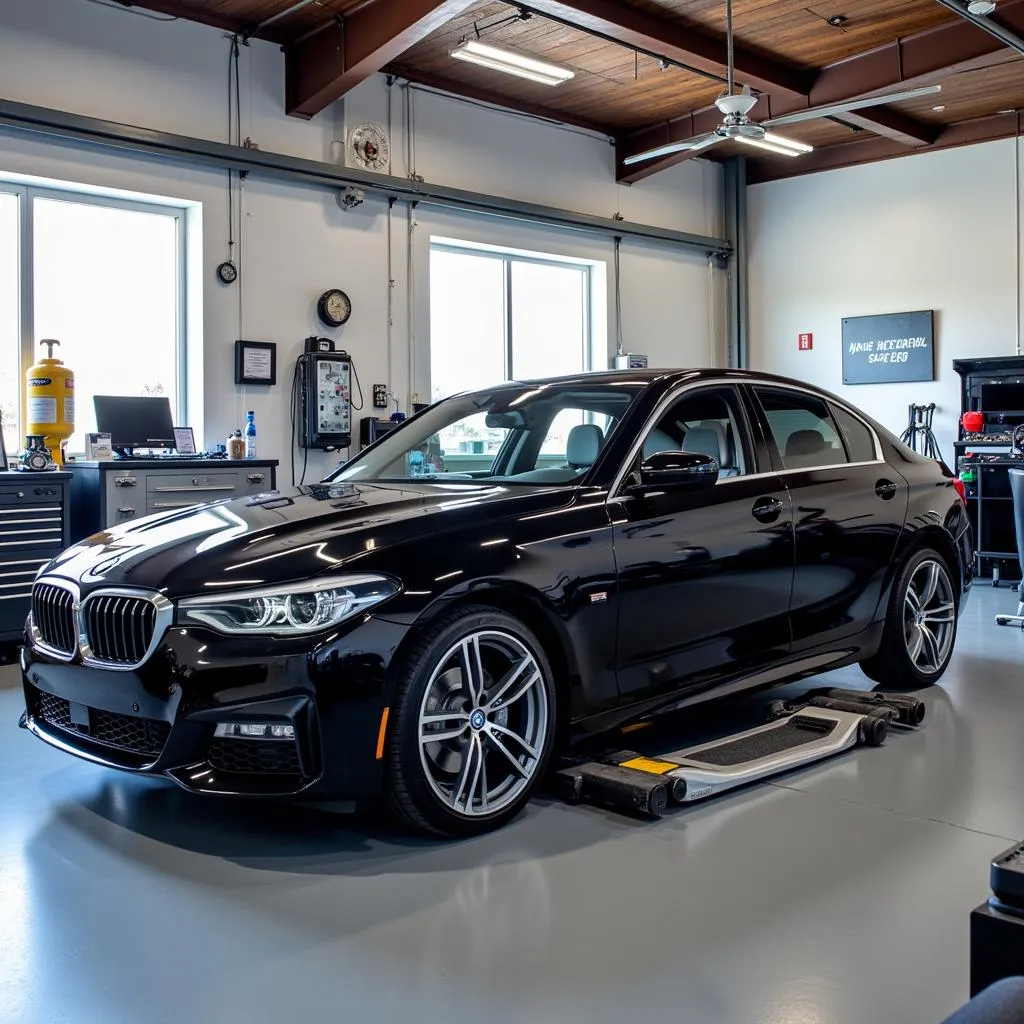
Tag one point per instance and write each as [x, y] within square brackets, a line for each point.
[161, 719]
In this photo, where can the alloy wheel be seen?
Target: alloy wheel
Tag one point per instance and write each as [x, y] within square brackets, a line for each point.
[483, 723]
[929, 616]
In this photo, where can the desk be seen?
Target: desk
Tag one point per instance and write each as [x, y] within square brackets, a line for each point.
[33, 529]
[117, 491]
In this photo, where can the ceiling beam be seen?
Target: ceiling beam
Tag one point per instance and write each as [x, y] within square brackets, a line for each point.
[849, 154]
[916, 60]
[187, 12]
[495, 99]
[705, 51]
[324, 66]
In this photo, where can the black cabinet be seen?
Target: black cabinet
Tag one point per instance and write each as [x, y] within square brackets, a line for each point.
[991, 388]
[34, 527]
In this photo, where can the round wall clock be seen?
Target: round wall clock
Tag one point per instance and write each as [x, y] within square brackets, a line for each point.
[334, 307]
[227, 272]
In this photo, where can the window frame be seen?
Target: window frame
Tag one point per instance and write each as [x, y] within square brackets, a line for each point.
[508, 258]
[776, 457]
[753, 451]
[27, 194]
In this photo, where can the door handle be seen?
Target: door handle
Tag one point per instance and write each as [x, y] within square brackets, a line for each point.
[767, 510]
[885, 489]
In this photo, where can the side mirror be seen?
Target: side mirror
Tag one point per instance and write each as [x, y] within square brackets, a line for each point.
[678, 469]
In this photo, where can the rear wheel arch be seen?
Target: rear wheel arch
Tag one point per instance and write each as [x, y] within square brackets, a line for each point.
[931, 536]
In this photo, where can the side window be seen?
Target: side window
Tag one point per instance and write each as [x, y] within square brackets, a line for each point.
[860, 445]
[803, 429]
[706, 421]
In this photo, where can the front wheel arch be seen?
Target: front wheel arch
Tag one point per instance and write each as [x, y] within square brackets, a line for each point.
[531, 609]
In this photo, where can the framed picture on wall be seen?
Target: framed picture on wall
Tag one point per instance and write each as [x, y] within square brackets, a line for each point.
[255, 362]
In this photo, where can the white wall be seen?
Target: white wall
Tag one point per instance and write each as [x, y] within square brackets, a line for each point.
[172, 76]
[932, 231]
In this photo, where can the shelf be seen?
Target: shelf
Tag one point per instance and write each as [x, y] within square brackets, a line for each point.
[988, 497]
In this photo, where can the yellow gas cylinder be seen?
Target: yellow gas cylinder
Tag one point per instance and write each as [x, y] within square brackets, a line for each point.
[50, 401]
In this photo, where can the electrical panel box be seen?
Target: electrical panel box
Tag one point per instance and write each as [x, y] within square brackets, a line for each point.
[631, 361]
[326, 388]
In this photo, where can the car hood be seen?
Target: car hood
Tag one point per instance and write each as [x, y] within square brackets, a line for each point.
[286, 536]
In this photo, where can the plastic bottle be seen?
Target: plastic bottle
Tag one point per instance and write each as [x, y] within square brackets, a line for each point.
[250, 435]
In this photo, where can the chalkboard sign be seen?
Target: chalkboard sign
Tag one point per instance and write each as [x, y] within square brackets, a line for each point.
[889, 348]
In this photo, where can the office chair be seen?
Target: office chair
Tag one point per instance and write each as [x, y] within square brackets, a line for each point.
[1017, 490]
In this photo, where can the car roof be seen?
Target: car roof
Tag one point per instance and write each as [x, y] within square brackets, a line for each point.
[668, 375]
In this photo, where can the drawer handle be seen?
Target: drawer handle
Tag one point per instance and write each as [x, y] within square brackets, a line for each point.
[176, 504]
[185, 490]
[23, 511]
[126, 510]
[16, 597]
[125, 481]
[256, 478]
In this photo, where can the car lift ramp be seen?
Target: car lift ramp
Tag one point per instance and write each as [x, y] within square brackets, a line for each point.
[816, 725]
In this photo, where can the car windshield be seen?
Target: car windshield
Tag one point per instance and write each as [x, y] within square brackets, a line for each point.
[515, 434]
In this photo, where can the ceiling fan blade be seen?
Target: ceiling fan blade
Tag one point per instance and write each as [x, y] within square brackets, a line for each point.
[837, 109]
[687, 145]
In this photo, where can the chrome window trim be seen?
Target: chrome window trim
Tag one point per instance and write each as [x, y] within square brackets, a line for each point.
[164, 620]
[829, 401]
[672, 396]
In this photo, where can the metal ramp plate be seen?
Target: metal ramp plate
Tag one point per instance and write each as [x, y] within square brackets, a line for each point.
[817, 725]
[758, 753]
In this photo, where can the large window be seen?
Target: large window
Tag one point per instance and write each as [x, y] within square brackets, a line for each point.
[499, 316]
[102, 276]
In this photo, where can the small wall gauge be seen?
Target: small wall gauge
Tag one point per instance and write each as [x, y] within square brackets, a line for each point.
[227, 272]
[368, 147]
[334, 307]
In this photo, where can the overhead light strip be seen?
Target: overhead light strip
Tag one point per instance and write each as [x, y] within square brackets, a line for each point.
[497, 58]
[770, 146]
[781, 140]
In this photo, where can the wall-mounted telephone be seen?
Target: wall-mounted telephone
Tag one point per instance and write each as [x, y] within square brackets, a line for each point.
[325, 389]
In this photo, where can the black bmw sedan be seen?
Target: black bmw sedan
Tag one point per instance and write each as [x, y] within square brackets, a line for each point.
[504, 573]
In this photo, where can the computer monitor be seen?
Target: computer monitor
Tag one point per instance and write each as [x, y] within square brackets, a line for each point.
[134, 422]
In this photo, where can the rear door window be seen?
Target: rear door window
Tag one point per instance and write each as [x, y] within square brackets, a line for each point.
[860, 443]
[802, 428]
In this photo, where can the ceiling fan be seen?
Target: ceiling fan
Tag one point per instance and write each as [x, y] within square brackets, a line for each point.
[736, 123]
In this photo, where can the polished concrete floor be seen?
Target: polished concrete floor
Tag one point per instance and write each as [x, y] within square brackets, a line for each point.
[840, 894]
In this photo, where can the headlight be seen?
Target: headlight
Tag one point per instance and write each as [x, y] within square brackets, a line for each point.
[293, 610]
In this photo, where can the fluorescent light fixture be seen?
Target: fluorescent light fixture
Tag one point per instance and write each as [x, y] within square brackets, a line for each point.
[497, 58]
[781, 140]
[770, 146]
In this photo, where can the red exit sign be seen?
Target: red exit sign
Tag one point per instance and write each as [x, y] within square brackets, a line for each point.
[805, 342]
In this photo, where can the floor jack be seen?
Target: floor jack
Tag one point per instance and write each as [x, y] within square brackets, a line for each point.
[815, 725]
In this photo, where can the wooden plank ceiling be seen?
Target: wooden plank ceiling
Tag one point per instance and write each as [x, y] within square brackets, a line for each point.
[787, 50]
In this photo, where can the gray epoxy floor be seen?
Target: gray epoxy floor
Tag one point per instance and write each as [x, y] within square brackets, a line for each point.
[840, 894]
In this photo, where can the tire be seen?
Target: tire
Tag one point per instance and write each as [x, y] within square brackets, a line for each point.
[495, 727]
[920, 625]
